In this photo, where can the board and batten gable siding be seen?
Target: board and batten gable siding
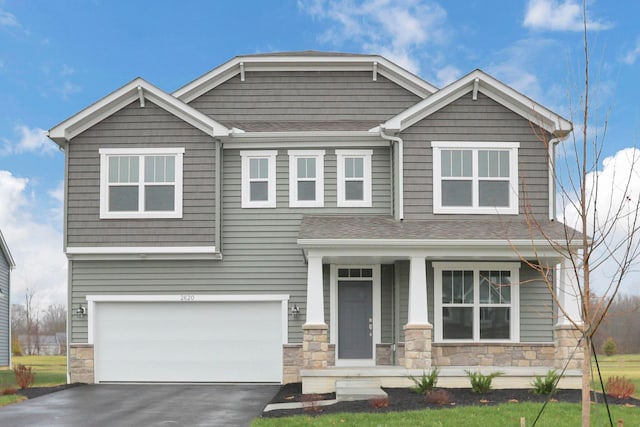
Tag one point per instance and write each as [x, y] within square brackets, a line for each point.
[136, 127]
[259, 246]
[5, 344]
[305, 96]
[468, 120]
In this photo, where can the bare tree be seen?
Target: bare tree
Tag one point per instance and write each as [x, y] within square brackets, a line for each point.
[54, 319]
[32, 317]
[600, 220]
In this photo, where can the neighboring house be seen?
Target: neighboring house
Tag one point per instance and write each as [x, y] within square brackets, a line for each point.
[6, 265]
[311, 216]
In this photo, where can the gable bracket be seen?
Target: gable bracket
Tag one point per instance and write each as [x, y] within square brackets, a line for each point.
[375, 71]
[476, 82]
[242, 71]
[141, 96]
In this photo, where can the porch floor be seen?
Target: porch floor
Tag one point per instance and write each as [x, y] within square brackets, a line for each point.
[324, 380]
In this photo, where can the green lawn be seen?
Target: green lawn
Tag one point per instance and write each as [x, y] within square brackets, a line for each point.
[555, 415]
[621, 365]
[49, 371]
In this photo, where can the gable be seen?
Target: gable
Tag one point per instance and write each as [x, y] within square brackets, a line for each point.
[4, 250]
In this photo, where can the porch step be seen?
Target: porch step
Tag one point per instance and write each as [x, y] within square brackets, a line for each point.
[358, 389]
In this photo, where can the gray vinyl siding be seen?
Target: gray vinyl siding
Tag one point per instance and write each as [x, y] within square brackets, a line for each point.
[468, 120]
[149, 127]
[5, 345]
[305, 96]
[536, 308]
[260, 251]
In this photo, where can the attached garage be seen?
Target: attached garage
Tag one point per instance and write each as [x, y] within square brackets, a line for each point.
[188, 338]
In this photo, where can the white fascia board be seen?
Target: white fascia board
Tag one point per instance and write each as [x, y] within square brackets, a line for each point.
[189, 297]
[305, 138]
[4, 248]
[494, 89]
[231, 68]
[122, 97]
[139, 252]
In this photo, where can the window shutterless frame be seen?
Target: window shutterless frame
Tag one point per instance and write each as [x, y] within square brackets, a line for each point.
[475, 177]
[306, 178]
[141, 183]
[476, 300]
[354, 178]
[258, 178]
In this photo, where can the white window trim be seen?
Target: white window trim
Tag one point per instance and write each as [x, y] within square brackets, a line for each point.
[105, 153]
[246, 156]
[512, 267]
[294, 155]
[366, 192]
[512, 147]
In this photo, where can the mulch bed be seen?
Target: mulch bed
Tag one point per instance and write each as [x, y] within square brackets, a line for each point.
[33, 392]
[403, 399]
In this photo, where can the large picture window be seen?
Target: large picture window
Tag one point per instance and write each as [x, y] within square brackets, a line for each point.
[475, 177]
[476, 301]
[141, 183]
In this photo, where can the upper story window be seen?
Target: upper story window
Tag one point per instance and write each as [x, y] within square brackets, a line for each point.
[306, 178]
[354, 178]
[258, 179]
[475, 177]
[141, 182]
[476, 301]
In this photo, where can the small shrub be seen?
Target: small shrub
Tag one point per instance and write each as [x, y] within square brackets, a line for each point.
[310, 402]
[439, 397]
[481, 383]
[24, 376]
[379, 402]
[609, 347]
[425, 383]
[9, 391]
[619, 387]
[546, 385]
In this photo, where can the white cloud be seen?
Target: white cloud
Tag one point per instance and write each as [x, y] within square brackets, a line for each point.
[399, 29]
[633, 54]
[613, 193]
[66, 70]
[8, 20]
[559, 15]
[68, 89]
[447, 74]
[30, 140]
[36, 245]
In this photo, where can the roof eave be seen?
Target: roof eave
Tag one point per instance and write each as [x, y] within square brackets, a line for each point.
[7, 253]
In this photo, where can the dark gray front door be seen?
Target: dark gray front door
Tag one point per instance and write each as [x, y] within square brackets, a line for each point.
[355, 319]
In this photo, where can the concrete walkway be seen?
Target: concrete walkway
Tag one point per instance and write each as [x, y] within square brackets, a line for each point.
[142, 405]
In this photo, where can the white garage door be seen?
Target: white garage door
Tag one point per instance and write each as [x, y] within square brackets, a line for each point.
[228, 341]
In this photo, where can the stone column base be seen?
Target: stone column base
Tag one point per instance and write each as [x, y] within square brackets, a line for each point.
[315, 346]
[81, 363]
[417, 346]
[565, 338]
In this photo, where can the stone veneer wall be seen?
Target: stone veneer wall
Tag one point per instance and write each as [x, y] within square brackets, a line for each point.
[81, 363]
[566, 339]
[292, 362]
[475, 354]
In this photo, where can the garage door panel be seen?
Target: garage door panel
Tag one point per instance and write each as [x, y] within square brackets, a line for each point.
[194, 341]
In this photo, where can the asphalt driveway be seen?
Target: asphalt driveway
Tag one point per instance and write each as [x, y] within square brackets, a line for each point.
[143, 405]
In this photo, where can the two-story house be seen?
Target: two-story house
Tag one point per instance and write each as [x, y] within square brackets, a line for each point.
[313, 216]
[6, 265]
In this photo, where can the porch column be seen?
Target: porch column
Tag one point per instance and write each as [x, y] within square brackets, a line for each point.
[565, 334]
[315, 342]
[417, 332]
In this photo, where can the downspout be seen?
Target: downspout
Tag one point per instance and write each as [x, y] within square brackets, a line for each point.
[551, 152]
[218, 197]
[69, 262]
[400, 196]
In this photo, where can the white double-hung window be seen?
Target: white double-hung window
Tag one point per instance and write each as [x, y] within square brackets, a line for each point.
[259, 179]
[476, 301]
[306, 178]
[354, 178]
[475, 177]
[141, 183]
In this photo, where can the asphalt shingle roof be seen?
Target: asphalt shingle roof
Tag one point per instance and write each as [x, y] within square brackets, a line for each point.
[384, 227]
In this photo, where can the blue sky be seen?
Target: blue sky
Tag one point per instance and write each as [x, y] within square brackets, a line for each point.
[58, 57]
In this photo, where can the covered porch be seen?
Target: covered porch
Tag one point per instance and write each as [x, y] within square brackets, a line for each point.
[378, 294]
